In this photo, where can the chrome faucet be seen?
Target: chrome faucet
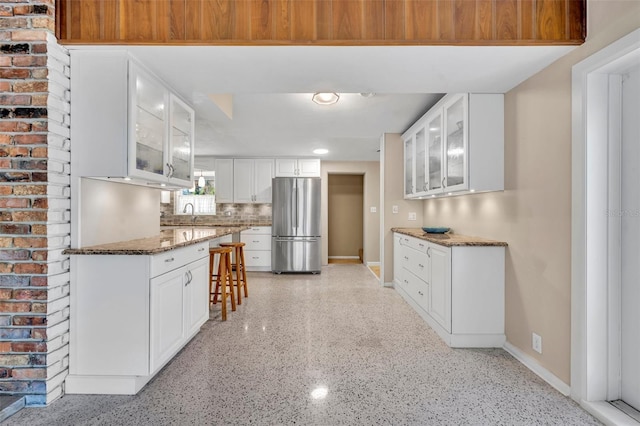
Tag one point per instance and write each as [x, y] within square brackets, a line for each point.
[193, 211]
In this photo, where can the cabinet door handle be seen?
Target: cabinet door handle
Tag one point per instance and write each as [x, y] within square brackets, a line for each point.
[406, 282]
[171, 259]
[255, 257]
[421, 265]
[255, 241]
[168, 170]
[201, 249]
[444, 184]
[420, 293]
[429, 252]
[406, 258]
[421, 245]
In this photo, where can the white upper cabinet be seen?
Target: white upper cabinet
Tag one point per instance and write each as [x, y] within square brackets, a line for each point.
[297, 167]
[252, 180]
[127, 124]
[224, 179]
[456, 147]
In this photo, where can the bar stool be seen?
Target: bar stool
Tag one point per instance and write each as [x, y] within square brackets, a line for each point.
[223, 278]
[239, 265]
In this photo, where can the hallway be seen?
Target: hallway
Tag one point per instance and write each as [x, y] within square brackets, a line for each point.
[326, 349]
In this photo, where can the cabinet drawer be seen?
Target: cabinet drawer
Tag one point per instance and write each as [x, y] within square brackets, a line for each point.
[256, 242]
[255, 230]
[170, 260]
[414, 243]
[417, 289]
[257, 258]
[417, 262]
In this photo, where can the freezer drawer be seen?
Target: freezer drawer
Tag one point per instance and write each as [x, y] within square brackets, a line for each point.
[301, 254]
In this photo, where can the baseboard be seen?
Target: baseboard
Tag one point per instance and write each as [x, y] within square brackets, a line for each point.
[344, 257]
[538, 369]
[373, 263]
[389, 285]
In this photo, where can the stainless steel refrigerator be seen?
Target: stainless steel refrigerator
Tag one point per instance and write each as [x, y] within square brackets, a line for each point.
[295, 243]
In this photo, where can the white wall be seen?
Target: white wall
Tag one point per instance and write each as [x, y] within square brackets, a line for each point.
[111, 212]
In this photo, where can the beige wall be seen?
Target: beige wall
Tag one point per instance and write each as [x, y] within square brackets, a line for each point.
[111, 212]
[533, 214]
[392, 175]
[371, 172]
[345, 214]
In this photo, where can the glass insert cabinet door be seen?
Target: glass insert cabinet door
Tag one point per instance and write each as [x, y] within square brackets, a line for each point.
[408, 166]
[435, 152]
[181, 134]
[456, 142]
[149, 111]
[421, 161]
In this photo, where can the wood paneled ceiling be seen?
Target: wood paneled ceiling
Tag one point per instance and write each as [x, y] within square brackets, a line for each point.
[322, 22]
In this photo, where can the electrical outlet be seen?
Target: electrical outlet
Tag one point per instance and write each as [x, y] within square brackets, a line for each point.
[394, 209]
[373, 209]
[536, 343]
[412, 215]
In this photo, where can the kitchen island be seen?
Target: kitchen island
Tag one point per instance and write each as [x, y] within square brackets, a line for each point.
[134, 304]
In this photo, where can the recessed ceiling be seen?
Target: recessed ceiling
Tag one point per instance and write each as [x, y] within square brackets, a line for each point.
[273, 114]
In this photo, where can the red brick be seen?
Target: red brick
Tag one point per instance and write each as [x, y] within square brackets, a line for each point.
[29, 373]
[28, 35]
[39, 255]
[39, 152]
[39, 281]
[5, 216]
[39, 177]
[39, 308]
[19, 151]
[38, 229]
[6, 190]
[15, 306]
[6, 242]
[15, 202]
[39, 100]
[5, 61]
[30, 139]
[6, 139]
[39, 126]
[14, 73]
[40, 203]
[29, 268]
[39, 333]
[23, 10]
[29, 346]
[14, 228]
[39, 73]
[37, 242]
[5, 86]
[5, 293]
[30, 190]
[5, 373]
[28, 164]
[23, 294]
[30, 86]
[39, 48]
[5, 347]
[6, 268]
[15, 177]
[30, 61]
[20, 320]
[6, 10]
[29, 216]
[8, 126]
[15, 100]
[5, 164]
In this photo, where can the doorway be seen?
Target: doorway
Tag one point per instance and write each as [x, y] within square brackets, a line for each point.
[345, 218]
[605, 372]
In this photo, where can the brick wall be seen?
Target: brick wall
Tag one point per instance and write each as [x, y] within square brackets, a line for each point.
[34, 202]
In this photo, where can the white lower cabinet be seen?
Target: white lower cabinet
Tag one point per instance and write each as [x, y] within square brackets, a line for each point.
[130, 314]
[257, 249]
[458, 291]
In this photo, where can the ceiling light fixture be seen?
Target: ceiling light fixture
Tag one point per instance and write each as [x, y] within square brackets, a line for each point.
[320, 151]
[201, 181]
[325, 98]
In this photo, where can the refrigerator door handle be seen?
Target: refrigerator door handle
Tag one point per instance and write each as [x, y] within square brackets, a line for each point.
[301, 239]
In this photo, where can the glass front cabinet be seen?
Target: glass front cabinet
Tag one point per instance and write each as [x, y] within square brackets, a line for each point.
[456, 147]
[128, 124]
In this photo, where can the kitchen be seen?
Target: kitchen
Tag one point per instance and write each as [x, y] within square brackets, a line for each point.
[494, 210]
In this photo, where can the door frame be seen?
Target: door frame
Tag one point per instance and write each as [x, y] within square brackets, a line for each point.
[364, 204]
[595, 284]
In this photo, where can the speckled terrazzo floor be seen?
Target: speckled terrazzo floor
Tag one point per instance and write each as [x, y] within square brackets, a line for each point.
[338, 334]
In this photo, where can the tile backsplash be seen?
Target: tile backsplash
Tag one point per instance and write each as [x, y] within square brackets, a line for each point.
[227, 213]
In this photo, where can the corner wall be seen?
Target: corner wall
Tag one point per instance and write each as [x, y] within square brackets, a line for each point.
[34, 203]
[533, 214]
[371, 171]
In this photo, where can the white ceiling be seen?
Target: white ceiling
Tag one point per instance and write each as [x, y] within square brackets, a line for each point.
[272, 110]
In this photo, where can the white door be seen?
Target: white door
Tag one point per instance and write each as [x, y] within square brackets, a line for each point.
[243, 180]
[264, 171]
[196, 296]
[630, 231]
[167, 322]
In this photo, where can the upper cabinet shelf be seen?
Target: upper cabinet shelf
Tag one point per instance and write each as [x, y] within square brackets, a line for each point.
[127, 124]
[457, 147]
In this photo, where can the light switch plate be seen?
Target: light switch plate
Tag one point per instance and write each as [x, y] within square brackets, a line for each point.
[412, 215]
[394, 209]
